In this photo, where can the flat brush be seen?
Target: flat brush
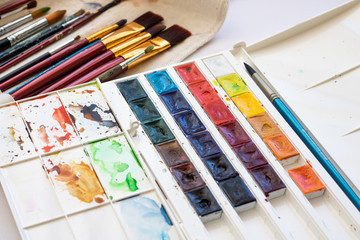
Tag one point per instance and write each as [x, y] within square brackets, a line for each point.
[28, 6]
[31, 29]
[40, 58]
[168, 38]
[21, 21]
[59, 55]
[106, 57]
[129, 30]
[13, 6]
[40, 36]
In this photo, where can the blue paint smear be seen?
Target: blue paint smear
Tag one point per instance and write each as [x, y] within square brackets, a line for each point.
[161, 82]
[145, 218]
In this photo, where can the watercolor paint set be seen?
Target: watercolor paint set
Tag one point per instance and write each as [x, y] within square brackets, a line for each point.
[193, 150]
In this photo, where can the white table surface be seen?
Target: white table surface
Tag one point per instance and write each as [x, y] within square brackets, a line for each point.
[247, 20]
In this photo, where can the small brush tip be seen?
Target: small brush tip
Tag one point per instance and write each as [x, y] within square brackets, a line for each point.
[149, 49]
[148, 19]
[77, 37]
[56, 16]
[156, 29]
[121, 22]
[32, 4]
[175, 34]
[88, 13]
[80, 12]
[250, 70]
[40, 12]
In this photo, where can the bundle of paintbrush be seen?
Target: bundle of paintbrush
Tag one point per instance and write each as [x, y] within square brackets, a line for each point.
[22, 20]
[133, 28]
[41, 36]
[11, 62]
[25, 71]
[163, 41]
[31, 29]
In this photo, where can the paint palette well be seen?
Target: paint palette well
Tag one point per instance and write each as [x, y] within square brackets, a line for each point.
[89, 112]
[52, 131]
[117, 167]
[15, 143]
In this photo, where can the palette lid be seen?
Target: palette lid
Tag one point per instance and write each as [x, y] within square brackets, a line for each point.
[202, 18]
[315, 67]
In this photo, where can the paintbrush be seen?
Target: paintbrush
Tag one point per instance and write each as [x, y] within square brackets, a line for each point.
[168, 38]
[41, 36]
[61, 34]
[13, 6]
[59, 55]
[31, 29]
[129, 30]
[106, 57]
[48, 69]
[40, 58]
[28, 6]
[21, 21]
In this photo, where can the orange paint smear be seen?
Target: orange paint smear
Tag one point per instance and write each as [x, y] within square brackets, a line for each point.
[306, 179]
[80, 180]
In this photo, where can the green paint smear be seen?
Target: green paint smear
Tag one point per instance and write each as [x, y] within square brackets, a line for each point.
[236, 87]
[101, 152]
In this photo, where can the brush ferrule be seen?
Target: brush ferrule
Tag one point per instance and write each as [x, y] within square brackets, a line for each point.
[124, 33]
[159, 46]
[102, 33]
[269, 93]
[118, 50]
[58, 48]
[129, 61]
[72, 21]
[14, 24]
[27, 31]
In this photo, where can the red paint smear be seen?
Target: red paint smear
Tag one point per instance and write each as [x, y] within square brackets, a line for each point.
[63, 138]
[47, 148]
[60, 116]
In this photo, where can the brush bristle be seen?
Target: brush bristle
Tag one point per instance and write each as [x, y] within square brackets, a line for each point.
[79, 13]
[31, 5]
[175, 34]
[77, 37]
[148, 19]
[121, 22]
[40, 12]
[156, 29]
[56, 16]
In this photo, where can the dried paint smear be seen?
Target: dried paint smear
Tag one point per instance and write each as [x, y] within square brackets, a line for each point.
[89, 112]
[74, 179]
[15, 143]
[50, 127]
[144, 219]
[117, 167]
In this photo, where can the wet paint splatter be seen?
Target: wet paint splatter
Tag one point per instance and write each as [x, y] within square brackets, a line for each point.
[117, 167]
